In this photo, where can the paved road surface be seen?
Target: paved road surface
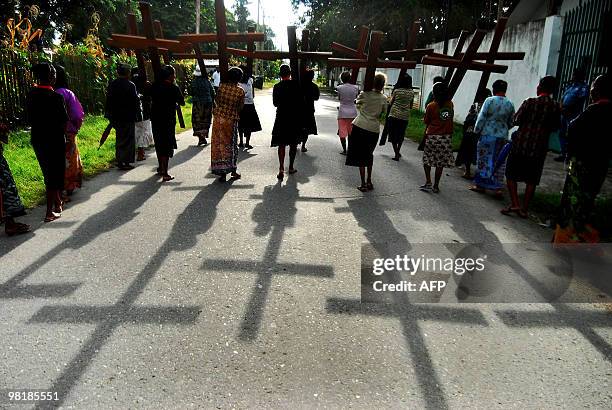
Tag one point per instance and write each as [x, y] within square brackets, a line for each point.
[198, 294]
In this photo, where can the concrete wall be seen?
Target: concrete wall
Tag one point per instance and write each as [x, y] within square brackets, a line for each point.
[540, 40]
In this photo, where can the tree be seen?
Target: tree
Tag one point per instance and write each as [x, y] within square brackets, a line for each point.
[241, 14]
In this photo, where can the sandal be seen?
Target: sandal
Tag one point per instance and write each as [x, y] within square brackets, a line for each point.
[235, 177]
[476, 188]
[509, 210]
[435, 190]
[17, 229]
[281, 175]
[167, 178]
[363, 188]
[52, 218]
[292, 171]
[370, 186]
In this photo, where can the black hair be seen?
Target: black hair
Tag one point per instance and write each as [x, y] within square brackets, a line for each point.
[404, 81]
[166, 72]
[284, 70]
[440, 92]
[43, 72]
[234, 75]
[438, 79]
[245, 75]
[61, 78]
[310, 74]
[579, 73]
[500, 86]
[345, 76]
[548, 84]
[123, 70]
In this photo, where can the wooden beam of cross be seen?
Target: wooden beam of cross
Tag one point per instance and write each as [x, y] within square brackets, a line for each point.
[463, 36]
[159, 33]
[297, 58]
[270, 266]
[358, 53]
[372, 62]
[493, 55]
[140, 59]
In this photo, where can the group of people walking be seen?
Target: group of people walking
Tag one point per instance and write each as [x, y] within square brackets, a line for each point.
[143, 114]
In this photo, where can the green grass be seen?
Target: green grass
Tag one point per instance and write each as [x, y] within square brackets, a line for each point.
[546, 205]
[25, 169]
[416, 129]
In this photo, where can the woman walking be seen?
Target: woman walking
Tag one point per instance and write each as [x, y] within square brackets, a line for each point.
[224, 147]
[537, 118]
[143, 129]
[202, 98]
[311, 93]
[347, 111]
[289, 102]
[73, 176]
[165, 95]
[401, 103]
[493, 123]
[48, 119]
[469, 140]
[438, 151]
[249, 120]
[366, 127]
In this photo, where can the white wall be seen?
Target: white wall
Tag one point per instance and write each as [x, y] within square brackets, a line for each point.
[522, 76]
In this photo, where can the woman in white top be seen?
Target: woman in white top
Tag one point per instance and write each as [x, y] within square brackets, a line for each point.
[366, 127]
[249, 120]
[347, 111]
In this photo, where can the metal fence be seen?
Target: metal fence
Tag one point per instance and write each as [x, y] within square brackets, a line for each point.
[584, 43]
[15, 83]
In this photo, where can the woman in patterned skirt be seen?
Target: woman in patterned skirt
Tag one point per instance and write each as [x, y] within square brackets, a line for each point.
[224, 146]
[438, 151]
[74, 169]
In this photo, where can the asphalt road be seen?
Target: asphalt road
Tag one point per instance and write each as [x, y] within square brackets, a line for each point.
[199, 294]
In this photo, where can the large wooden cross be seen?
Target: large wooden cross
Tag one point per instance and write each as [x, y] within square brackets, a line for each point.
[372, 62]
[460, 62]
[358, 53]
[296, 57]
[222, 38]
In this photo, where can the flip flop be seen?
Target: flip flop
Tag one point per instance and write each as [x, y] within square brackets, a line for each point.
[280, 175]
[167, 178]
[235, 177]
[292, 171]
[52, 218]
[508, 211]
[18, 229]
[363, 188]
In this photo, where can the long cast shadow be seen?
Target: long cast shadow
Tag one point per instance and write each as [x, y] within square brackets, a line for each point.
[119, 211]
[197, 218]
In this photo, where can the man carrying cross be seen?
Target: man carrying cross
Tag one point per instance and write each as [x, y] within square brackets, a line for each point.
[123, 110]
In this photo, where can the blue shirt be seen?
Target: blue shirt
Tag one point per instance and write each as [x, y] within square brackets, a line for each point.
[574, 97]
[495, 117]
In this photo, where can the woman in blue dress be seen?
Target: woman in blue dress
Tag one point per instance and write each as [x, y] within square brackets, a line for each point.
[492, 125]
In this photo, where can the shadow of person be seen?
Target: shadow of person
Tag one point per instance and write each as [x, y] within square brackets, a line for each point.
[196, 219]
[119, 211]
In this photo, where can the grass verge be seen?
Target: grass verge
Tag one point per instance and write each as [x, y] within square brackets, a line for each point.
[25, 168]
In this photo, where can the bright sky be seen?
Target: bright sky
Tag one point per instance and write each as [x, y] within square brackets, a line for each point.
[278, 15]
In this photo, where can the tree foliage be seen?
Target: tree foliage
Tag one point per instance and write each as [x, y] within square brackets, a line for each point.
[339, 20]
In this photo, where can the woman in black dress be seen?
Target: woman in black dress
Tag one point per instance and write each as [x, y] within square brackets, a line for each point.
[165, 95]
[48, 118]
[289, 102]
[311, 94]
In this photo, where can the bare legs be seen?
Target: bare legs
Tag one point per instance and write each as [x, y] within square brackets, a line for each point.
[245, 135]
[281, 160]
[366, 184]
[437, 176]
[54, 204]
[515, 206]
[343, 143]
[141, 156]
[163, 169]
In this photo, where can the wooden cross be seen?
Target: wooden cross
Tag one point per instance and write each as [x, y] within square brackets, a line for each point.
[410, 53]
[456, 54]
[358, 53]
[494, 54]
[296, 58]
[372, 62]
[270, 266]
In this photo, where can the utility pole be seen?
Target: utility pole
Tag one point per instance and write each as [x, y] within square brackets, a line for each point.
[198, 12]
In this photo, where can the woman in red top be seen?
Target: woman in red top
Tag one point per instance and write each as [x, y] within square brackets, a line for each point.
[438, 151]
